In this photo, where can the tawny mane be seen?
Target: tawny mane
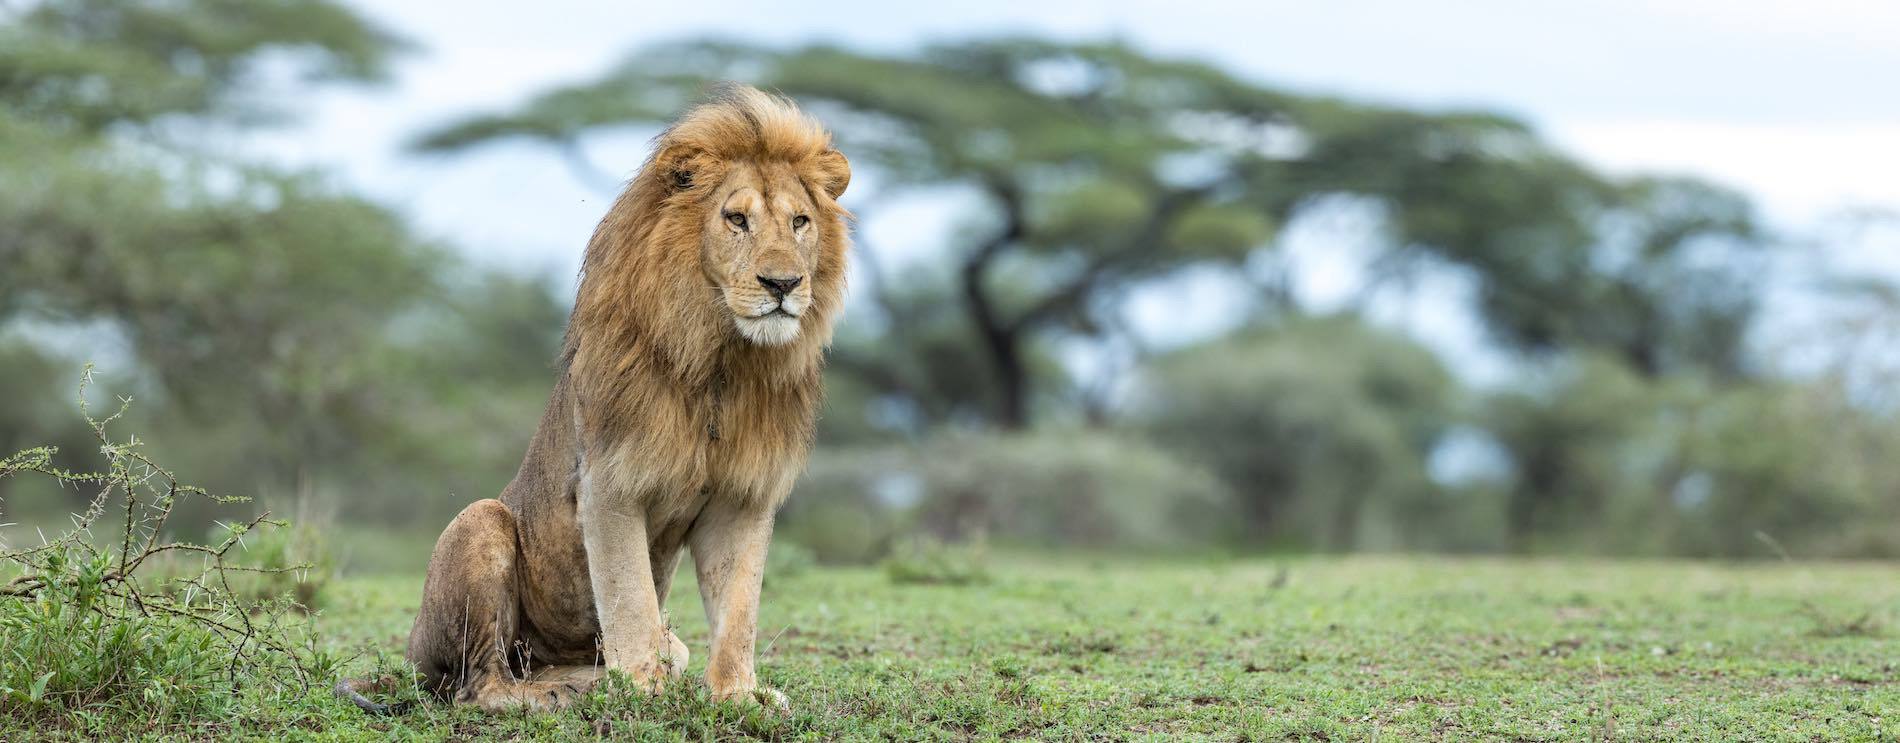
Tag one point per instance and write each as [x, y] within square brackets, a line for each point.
[648, 313]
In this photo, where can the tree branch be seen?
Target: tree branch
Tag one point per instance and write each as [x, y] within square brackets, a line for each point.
[585, 170]
[1143, 243]
[999, 337]
[873, 268]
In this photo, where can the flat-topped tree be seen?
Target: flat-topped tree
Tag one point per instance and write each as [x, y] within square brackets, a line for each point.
[1103, 168]
[235, 287]
[86, 66]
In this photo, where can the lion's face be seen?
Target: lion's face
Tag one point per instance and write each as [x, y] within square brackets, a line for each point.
[760, 246]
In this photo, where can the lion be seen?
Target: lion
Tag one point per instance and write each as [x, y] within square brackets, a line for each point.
[684, 410]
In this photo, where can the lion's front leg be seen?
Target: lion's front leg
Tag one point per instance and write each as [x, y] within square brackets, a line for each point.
[633, 633]
[728, 543]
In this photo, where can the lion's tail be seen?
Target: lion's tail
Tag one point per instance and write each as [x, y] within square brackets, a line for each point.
[353, 690]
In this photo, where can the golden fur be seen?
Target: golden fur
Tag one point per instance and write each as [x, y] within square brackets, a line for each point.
[646, 329]
[684, 412]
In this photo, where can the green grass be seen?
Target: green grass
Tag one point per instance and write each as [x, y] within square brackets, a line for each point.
[1321, 649]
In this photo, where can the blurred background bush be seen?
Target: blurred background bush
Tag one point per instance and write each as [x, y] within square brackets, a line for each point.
[1101, 343]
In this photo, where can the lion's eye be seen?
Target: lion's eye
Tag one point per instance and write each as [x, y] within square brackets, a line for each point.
[737, 219]
[800, 221]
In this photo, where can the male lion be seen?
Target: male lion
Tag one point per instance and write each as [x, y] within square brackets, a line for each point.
[683, 413]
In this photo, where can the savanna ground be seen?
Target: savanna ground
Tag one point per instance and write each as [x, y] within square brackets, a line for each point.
[1322, 649]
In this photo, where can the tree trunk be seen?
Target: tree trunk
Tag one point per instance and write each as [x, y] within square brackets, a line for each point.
[1001, 340]
[1004, 347]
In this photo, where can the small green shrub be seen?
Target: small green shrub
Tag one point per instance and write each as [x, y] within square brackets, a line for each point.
[927, 561]
[295, 562]
[788, 560]
[78, 644]
[1067, 488]
[103, 625]
[836, 511]
[1054, 488]
[288, 561]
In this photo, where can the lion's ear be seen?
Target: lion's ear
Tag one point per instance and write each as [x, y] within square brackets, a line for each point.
[832, 172]
[678, 167]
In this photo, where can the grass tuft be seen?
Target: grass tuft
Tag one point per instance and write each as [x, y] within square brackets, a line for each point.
[113, 627]
[926, 561]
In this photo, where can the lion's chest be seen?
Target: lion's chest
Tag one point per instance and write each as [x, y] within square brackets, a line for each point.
[730, 441]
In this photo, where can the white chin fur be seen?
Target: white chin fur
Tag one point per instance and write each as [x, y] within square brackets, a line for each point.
[771, 330]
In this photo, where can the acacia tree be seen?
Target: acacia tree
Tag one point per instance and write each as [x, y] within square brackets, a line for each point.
[85, 66]
[268, 319]
[1103, 168]
[1320, 426]
[234, 286]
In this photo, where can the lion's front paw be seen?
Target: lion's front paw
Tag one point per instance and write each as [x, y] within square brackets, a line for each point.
[653, 672]
[650, 678]
[676, 657]
[772, 699]
[765, 697]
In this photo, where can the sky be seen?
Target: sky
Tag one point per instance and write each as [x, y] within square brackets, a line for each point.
[1788, 101]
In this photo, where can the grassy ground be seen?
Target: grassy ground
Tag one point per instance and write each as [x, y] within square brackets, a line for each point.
[1353, 649]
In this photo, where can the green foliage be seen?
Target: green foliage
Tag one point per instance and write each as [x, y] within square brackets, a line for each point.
[1321, 428]
[787, 560]
[927, 561]
[1075, 488]
[24, 367]
[1104, 169]
[929, 377]
[836, 511]
[1608, 460]
[82, 659]
[1053, 488]
[105, 626]
[286, 336]
[1575, 442]
[86, 65]
[1666, 279]
[294, 560]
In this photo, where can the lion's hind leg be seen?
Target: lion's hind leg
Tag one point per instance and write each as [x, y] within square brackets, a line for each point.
[467, 630]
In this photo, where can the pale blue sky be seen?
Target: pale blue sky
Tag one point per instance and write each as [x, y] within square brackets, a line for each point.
[1789, 101]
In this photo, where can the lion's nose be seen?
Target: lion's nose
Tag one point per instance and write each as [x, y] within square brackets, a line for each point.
[780, 287]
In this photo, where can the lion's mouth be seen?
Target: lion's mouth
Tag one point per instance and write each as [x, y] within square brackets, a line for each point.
[776, 327]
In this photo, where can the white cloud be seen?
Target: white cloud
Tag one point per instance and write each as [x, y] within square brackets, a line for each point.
[1799, 172]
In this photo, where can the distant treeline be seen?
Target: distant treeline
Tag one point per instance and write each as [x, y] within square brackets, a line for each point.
[289, 339]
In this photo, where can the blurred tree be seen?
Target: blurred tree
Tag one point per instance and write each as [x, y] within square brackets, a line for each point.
[1054, 487]
[1795, 461]
[28, 375]
[1076, 488]
[239, 288]
[88, 66]
[296, 331]
[1105, 168]
[1667, 280]
[460, 383]
[1857, 342]
[291, 332]
[1319, 426]
[1611, 461]
[1583, 439]
[261, 303]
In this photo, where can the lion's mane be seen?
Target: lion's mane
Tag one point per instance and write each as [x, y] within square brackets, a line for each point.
[654, 358]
